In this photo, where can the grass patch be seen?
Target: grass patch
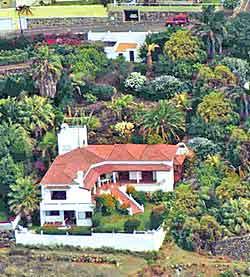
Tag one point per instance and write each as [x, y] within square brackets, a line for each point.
[174, 8]
[60, 11]
[116, 221]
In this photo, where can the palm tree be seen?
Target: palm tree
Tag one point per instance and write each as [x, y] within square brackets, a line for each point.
[24, 198]
[150, 49]
[47, 71]
[48, 146]
[23, 10]
[211, 28]
[37, 114]
[164, 120]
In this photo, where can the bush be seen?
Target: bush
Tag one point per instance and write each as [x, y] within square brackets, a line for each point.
[157, 216]
[135, 81]
[102, 92]
[163, 87]
[106, 203]
[96, 219]
[13, 56]
[130, 189]
[51, 230]
[231, 4]
[90, 98]
[123, 209]
[139, 197]
[79, 230]
[131, 225]
[108, 229]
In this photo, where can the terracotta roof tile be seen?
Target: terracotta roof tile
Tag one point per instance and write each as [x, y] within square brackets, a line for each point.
[64, 168]
[124, 46]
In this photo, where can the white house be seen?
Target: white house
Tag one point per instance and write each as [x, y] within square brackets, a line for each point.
[83, 171]
[116, 44]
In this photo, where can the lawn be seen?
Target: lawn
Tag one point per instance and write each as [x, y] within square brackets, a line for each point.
[60, 11]
[173, 8]
[117, 220]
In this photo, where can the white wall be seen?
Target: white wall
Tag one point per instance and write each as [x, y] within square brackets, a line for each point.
[148, 241]
[166, 179]
[130, 36]
[70, 138]
[74, 194]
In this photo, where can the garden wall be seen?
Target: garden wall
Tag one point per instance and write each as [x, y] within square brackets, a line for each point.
[35, 23]
[237, 247]
[7, 226]
[140, 241]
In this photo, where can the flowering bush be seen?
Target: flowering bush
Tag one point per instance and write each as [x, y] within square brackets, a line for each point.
[163, 87]
[124, 128]
[135, 81]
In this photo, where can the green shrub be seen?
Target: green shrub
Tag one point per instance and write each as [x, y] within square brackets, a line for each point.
[157, 216]
[106, 203]
[96, 219]
[140, 197]
[13, 56]
[108, 229]
[131, 225]
[79, 230]
[51, 230]
[102, 92]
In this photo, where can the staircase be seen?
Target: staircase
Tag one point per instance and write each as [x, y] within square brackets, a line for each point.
[124, 198]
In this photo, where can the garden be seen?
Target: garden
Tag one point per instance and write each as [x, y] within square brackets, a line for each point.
[188, 87]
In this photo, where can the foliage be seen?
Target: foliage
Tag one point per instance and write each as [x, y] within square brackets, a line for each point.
[125, 129]
[24, 197]
[13, 56]
[120, 104]
[215, 108]
[182, 46]
[163, 87]
[106, 203]
[238, 41]
[47, 71]
[211, 28]
[131, 225]
[88, 61]
[231, 4]
[203, 147]
[157, 216]
[164, 120]
[135, 81]
[101, 92]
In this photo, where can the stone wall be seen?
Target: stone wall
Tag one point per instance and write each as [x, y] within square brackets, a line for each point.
[236, 247]
[33, 23]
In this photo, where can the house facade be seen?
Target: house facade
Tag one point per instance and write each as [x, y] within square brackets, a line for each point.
[78, 175]
[126, 44]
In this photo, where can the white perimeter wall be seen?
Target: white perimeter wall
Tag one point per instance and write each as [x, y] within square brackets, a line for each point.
[148, 241]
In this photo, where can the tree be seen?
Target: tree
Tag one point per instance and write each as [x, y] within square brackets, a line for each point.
[231, 4]
[23, 10]
[24, 198]
[215, 108]
[166, 121]
[211, 28]
[47, 71]
[182, 46]
[150, 49]
[48, 145]
[238, 41]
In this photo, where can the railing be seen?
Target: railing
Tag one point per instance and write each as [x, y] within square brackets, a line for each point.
[170, 3]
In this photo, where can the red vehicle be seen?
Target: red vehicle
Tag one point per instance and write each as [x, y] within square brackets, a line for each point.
[180, 19]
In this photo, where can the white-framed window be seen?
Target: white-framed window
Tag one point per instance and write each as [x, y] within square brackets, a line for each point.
[81, 215]
[52, 213]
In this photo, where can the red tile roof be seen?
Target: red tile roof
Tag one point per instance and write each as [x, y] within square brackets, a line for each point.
[64, 168]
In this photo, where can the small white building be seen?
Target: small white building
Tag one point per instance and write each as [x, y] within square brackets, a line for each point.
[83, 171]
[116, 44]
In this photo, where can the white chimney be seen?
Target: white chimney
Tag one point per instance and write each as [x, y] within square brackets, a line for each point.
[182, 149]
[70, 138]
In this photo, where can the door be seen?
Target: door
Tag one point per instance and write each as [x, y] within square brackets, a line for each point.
[132, 56]
[70, 217]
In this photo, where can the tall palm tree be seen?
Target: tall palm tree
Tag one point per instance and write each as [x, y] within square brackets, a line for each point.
[150, 49]
[164, 120]
[25, 11]
[211, 28]
[47, 71]
[24, 198]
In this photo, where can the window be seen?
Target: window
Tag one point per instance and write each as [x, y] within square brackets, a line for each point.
[88, 214]
[132, 56]
[81, 215]
[131, 15]
[52, 213]
[58, 195]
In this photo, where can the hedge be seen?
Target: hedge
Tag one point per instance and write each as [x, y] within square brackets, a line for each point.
[74, 230]
[13, 56]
